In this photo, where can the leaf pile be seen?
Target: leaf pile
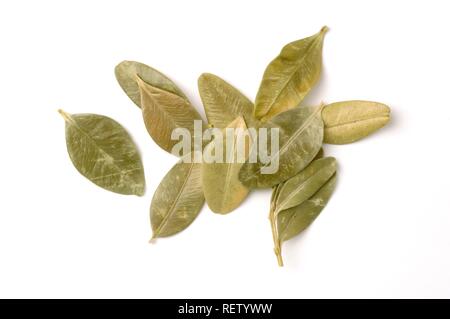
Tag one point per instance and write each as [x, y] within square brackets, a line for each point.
[103, 151]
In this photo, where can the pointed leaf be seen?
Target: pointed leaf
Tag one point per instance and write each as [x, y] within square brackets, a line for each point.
[293, 221]
[177, 200]
[290, 76]
[223, 103]
[349, 121]
[302, 186]
[103, 152]
[126, 72]
[163, 112]
[300, 133]
[223, 190]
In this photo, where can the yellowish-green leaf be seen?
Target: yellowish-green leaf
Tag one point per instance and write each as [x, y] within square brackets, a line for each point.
[349, 121]
[300, 139]
[293, 221]
[164, 112]
[126, 73]
[223, 102]
[177, 200]
[302, 186]
[223, 190]
[103, 152]
[290, 76]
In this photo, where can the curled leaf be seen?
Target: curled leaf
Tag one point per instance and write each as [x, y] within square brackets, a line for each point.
[349, 121]
[223, 102]
[103, 152]
[164, 112]
[177, 200]
[290, 76]
[300, 133]
[126, 73]
[223, 190]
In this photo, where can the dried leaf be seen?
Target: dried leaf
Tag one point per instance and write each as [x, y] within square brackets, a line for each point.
[223, 190]
[302, 186]
[126, 73]
[177, 200]
[290, 76]
[164, 112]
[293, 221]
[301, 133]
[223, 103]
[349, 121]
[103, 152]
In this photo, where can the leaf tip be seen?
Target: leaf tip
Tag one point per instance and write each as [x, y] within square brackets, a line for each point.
[204, 78]
[152, 240]
[66, 116]
[324, 29]
[140, 192]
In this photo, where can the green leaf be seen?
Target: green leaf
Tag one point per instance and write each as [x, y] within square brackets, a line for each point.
[300, 134]
[223, 190]
[290, 76]
[177, 200]
[223, 103]
[302, 186]
[164, 112]
[349, 121]
[126, 73]
[103, 152]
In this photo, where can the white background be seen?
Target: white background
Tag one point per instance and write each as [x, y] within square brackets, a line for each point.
[385, 232]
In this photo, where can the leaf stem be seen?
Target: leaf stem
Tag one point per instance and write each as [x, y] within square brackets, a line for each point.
[276, 240]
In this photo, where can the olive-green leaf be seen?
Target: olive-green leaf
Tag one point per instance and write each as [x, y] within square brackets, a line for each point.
[294, 220]
[177, 200]
[290, 76]
[164, 112]
[223, 102]
[349, 121]
[103, 152]
[223, 190]
[302, 186]
[126, 73]
[300, 139]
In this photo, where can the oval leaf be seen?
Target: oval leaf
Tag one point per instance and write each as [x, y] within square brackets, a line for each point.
[164, 112]
[290, 76]
[177, 200]
[103, 152]
[293, 221]
[302, 186]
[126, 72]
[223, 103]
[349, 121]
[223, 190]
[300, 139]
